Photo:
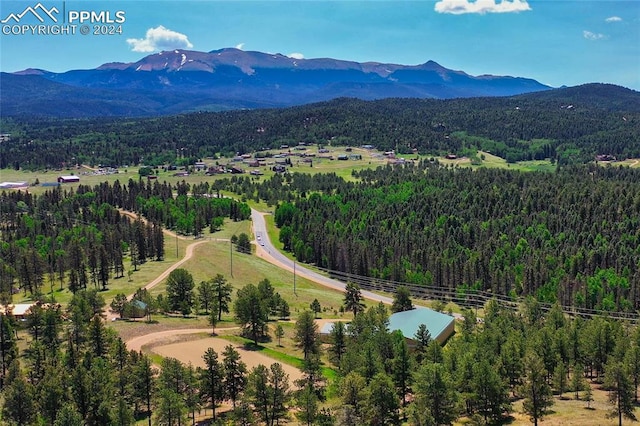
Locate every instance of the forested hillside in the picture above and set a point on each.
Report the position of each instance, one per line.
(566, 125)
(570, 236)
(79, 239)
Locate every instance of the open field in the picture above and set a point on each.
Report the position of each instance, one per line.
(629, 162)
(89, 177)
(215, 257)
(344, 168)
(491, 161)
(570, 412)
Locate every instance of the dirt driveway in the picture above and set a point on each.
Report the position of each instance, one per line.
(191, 351)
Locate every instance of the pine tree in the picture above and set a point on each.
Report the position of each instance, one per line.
(279, 392)
(144, 383)
(279, 333)
(50, 393)
(338, 342)
(68, 416)
(402, 364)
(353, 299)
(307, 403)
(621, 394)
(170, 407)
(122, 413)
(104, 267)
(490, 392)
(560, 378)
(251, 311)
(306, 335)
(191, 393)
(98, 336)
(8, 347)
(632, 361)
(19, 398)
(315, 307)
(212, 318)
(211, 379)
(259, 393)
(52, 328)
(588, 395)
(222, 293)
(436, 399)
(235, 374)
(119, 304)
(206, 294)
(578, 382)
(310, 390)
(352, 390)
(402, 300)
(381, 402)
(536, 391)
(180, 290)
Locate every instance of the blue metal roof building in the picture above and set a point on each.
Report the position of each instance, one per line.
(440, 326)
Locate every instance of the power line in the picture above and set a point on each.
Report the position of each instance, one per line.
(466, 297)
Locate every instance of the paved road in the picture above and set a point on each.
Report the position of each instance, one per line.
(267, 251)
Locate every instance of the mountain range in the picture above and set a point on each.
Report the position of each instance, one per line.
(181, 81)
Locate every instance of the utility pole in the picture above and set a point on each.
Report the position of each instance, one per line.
(177, 255)
(294, 278)
(231, 256)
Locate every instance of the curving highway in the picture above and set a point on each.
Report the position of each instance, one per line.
(268, 252)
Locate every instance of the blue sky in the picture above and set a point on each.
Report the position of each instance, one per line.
(553, 41)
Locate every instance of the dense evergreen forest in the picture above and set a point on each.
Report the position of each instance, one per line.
(79, 372)
(570, 236)
(567, 125)
(80, 238)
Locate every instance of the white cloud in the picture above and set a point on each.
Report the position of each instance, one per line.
(296, 55)
(613, 19)
(459, 7)
(240, 46)
(593, 36)
(159, 38)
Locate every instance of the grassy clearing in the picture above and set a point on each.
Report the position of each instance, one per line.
(495, 162)
(568, 411)
(279, 354)
(271, 353)
(129, 329)
(146, 273)
(320, 165)
(629, 162)
(215, 257)
(175, 249)
(344, 168)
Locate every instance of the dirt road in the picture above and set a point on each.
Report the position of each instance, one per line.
(188, 255)
(163, 343)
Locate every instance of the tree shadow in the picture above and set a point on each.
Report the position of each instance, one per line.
(251, 346)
